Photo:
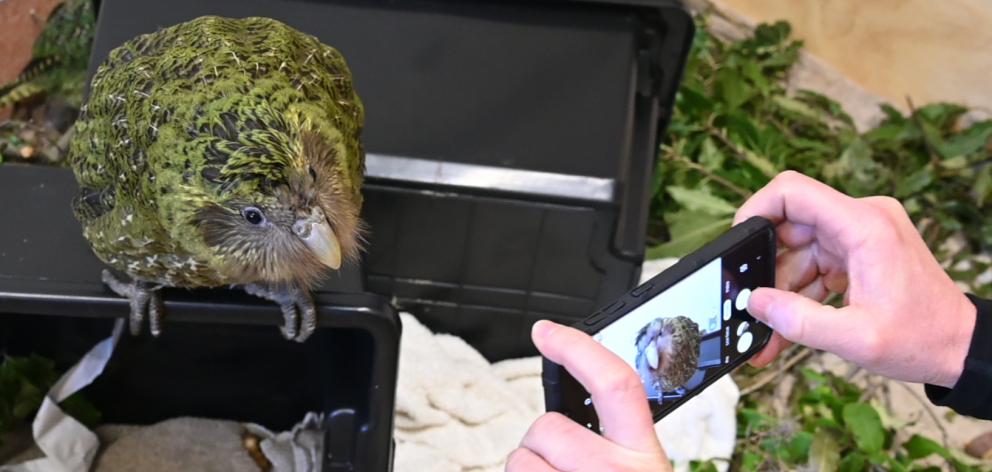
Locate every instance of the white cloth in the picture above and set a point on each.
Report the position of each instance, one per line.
(297, 450)
(67, 444)
(457, 412)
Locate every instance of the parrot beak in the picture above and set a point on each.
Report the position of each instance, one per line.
(651, 353)
(320, 238)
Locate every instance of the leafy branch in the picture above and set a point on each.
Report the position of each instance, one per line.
(734, 127)
(24, 382)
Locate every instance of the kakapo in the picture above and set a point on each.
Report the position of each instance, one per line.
(668, 352)
(221, 152)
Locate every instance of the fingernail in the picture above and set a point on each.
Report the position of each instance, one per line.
(759, 303)
(542, 328)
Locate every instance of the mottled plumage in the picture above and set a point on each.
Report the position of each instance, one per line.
(668, 352)
(209, 150)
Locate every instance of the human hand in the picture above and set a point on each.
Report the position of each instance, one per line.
(554, 442)
(903, 316)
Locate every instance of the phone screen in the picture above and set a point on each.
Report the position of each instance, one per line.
(682, 338)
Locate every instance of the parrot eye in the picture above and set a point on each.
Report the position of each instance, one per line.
(313, 174)
(253, 215)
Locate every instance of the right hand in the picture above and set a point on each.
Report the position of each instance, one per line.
(903, 316)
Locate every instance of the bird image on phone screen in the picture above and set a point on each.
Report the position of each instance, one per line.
(667, 354)
(683, 328)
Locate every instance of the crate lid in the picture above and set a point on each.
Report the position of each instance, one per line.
(535, 86)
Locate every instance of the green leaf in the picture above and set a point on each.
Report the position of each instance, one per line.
(690, 230)
(740, 129)
(82, 410)
(796, 449)
(915, 182)
(855, 172)
(853, 462)
(701, 201)
(955, 163)
(752, 420)
(702, 466)
(972, 140)
(824, 452)
(761, 163)
(892, 135)
(864, 423)
(710, 155)
(731, 88)
(694, 102)
(983, 187)
(941, 115)
(799, 109)
(752, 71)
(27, 401)
(770, 35)
(813, 377)
(933, 139)
(892, 114)
(826, 105)
(751, 461)
(23, 383)
(919, 447)
(816, 146)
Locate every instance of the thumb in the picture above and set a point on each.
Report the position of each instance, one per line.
(806, 321)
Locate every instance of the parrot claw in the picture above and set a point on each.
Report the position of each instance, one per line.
(298, 310)
(144, 298)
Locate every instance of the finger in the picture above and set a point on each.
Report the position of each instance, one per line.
(616, 390)
(794, 197)
(795, 234)
(560, 442)
(775, 346)
(795, 268)
(805, 321)
(835, 281)
(815, 290)
(525, 460)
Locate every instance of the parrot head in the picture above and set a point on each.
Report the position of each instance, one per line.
(283, 212)
(668, 352)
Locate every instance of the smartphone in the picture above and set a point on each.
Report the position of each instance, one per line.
(684, 328)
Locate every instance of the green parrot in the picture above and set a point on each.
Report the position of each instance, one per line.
(668, 352)
(221, 152)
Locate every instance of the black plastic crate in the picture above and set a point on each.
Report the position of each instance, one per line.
(511, 144)
(220, 355)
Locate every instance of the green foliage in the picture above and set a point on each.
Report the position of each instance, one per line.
(830, 427)
(865, 426)
(60, 56)
(735, 127)
(702, 466)
(24, 381)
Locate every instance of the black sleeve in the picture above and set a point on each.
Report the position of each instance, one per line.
(972, 395)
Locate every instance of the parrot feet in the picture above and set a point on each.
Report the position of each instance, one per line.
(298, 310)
(145, 299)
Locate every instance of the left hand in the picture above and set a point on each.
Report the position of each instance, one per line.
(556, 443)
